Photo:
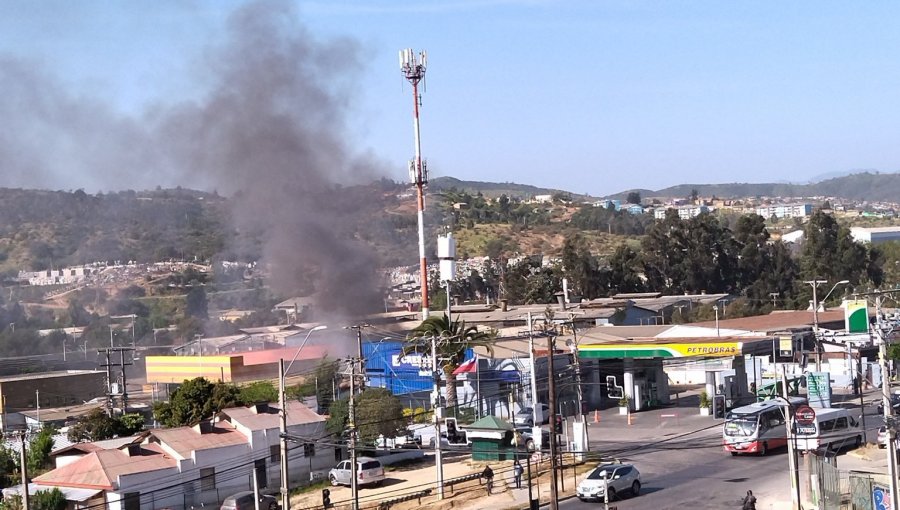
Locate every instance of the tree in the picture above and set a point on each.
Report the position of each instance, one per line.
(9, 467)
(97, 426)
(94, 426)
(623, 271)
(378, 412)
(195, 400)
(633, 197)
(47, 499)
(454, 339)
(197, 305)
(39, 449)
(580, 268)
(259, 391)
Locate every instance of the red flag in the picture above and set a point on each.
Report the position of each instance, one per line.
(466, 368)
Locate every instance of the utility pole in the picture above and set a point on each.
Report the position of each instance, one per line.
(889, 420)
(351, 427)
(551, 383)
(576, 359)
(282, 426)
(413, 68)
(535, 407)
(37, 405)
(437, 412)
(359, 351)
(815, 285)
(791, 444)
(23, 462)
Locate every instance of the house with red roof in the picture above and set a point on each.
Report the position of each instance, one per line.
(183, 467)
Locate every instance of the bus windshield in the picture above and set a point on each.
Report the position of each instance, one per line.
(740, 426)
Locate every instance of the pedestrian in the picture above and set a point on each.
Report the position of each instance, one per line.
(488, 475)
(749, 501)
(517, 474)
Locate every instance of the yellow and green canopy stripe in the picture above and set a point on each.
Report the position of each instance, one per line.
(637, 350)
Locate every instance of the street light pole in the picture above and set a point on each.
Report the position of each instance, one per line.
(815, 284)
(282, 423)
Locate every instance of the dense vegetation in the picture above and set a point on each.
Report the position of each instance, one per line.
(701, 254)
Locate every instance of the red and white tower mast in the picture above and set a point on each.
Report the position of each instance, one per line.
(413, 68)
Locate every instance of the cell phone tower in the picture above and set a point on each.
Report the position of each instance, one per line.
(413, 68)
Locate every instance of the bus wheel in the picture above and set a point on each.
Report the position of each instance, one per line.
(764, 450)
(858, 441)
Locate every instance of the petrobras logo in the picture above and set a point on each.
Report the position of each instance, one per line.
(721, 350)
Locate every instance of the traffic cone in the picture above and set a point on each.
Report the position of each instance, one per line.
(596, 416)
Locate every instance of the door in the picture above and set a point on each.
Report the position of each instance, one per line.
(343, 473)
(261, 476)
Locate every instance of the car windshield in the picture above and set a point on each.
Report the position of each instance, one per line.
(370, 465)
(740, 426)
(525, 410)
(599, 473)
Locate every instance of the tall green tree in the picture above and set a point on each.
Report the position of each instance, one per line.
(663, 252)
(195, 400)
(623, 271)
(378, 412)
(453, 339)
(581, 269)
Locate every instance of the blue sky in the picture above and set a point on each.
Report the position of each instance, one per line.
(588, 96)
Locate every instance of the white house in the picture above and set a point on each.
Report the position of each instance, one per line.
(183, 467)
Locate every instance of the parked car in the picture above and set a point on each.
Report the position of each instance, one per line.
(895, 404)
(619, 478)
(525, 416)
(244, 501)
(369, 471)
(525, 437)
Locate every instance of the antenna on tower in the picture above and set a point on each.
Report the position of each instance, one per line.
(413, 65)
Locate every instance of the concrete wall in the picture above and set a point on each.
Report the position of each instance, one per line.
(56, 390)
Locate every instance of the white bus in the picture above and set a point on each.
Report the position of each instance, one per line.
(756, 428)
(834, 428)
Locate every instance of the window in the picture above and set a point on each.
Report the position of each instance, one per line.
(623, 471)
(207, 479)
(275, 453)
(841, 423)
(826, 426)
(132, 501)
(372, 464)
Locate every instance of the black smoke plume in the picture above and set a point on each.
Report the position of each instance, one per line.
(269, 132)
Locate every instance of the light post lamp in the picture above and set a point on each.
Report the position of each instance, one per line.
(285, 497)
(815, 284)
(716, 308)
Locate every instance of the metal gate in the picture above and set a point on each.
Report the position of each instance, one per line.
(825, 484)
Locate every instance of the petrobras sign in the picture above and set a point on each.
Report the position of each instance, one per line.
(412, 362)
(856, 316)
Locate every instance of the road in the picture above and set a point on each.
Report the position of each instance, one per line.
(696, 473)
(684, 466)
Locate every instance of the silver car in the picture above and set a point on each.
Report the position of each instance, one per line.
(619, 478)
(525, 416)
(244, 501)
(369, 471)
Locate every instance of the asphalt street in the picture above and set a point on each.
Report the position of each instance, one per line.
(683, 465)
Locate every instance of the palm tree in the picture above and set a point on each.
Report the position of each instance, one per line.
(453, 339)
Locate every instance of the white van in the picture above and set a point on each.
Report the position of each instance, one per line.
(834, 428)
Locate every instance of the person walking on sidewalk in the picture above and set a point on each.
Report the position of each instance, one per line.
(488, 475)
(749, 502)
(517, 474)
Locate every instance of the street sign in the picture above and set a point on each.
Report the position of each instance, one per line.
(805, 415)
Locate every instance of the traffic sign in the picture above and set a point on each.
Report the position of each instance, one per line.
(805, 415)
